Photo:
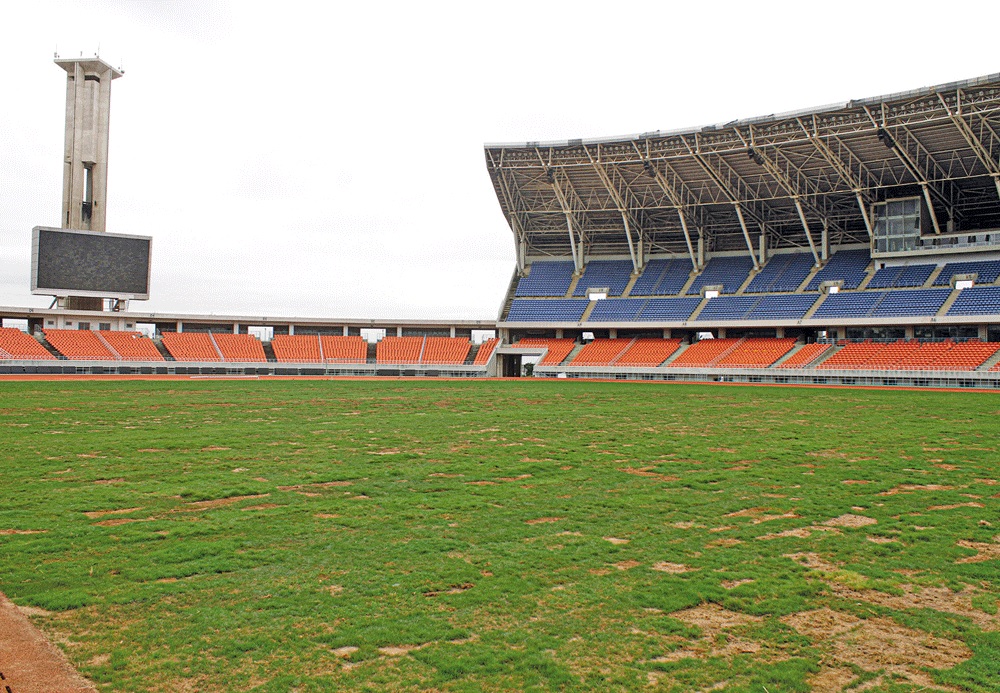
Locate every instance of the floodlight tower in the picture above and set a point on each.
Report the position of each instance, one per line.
(85, 162)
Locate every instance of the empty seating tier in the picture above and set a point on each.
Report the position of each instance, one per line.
(668, 309)
(79, 345)
(131, 346)
(191, 346)
(617, 310)
(299, 348)
(486, 350)
(728, 307)
(648, 352)
(784, 272)
(987, 271)
(612, 275)
(547, 310)
(398, 350)
(849, 266)
(729, 272)
(546, 279)
(901, 276)
(559, 349)
(756, 353)
(913, 355)
(239, 348)
(804, 356)
(600, 352)
(978, 300)
(662, 278)
(446, 350)
(704, 353)
(344, 348)
(15, 344)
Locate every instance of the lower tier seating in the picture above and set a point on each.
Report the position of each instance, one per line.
(344, 348)
(600, 352)
(15, 344)
(131, 346)
(486, 350)
(398, 350)
(191, 346)
(912, 355)
(648, 353)
(446, 350)
(79, 345)
(240, 348)
(558, 349)
(804, 356)
(298, 348)
(756, 353)
(704, 353)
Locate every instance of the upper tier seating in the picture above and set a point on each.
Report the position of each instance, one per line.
(546, 278)
(781, 307)
(190, 346)
(668, 309)
(79, 345)
(600, 352)
(727, 307)
(298, 348)
(613, 275)
(702, 354)
(550, 310)
(662, 278)
(849, 304)
(486, 350)
(911, 302)
(756, 353)
(559, 349)
(648, 352)
(450, 350)
(784, 272)
(988, 271)
(804, 356)
(617, 309)
(132, 346)
(978, 300)
(344, 348)
(901, 276)
(397, 350)
(15, 344)
(239, 348)
(730, 272)
(847, 265)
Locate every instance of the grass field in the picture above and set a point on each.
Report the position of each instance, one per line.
(460, 536)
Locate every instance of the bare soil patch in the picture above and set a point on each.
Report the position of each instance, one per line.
(543, 520)
(851, 520)
(987, 551)
(733, 584)
(970, 504)
(906, 488)
(667, 567)
(9, 532)
(262, 506)
(31, 663)
(616, 540)
(94, 514)
(644, 471)
(219, 502)
(627, 565)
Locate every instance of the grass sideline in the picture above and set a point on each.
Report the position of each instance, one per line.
(359, 535)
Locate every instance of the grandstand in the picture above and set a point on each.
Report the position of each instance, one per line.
(861, 237)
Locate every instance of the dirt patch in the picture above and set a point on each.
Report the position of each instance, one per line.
(851, 520)
(117, 480)
(627, 565)
(821, 623)
(667, 567)
(121, 521)
(722, 543)
(713, 619)
(747, 512)
(94, 514)
(345, 651)
(616, 540)
(9, 532)
(987, 551)
(855, 481)
(262, 506)
(644, 471)
(454, 589)
(906, 488)
(831, 679)
(398, 650)
(220, 502)
(30, 661)
(970, 504)
(326, 516)
(733, 584)
(875, 539)
(482, 483)
(442, 475)
(215, 448)
(685, 525)
(543, 520)
(321, 484)
(799, 532)
(813, 561)
(768, 518)
(514, 478)
(936, 598)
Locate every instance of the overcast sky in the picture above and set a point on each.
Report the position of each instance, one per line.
(326, 159)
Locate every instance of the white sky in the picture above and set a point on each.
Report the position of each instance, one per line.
(326, 159)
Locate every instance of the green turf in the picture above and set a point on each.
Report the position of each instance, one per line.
(470, 520)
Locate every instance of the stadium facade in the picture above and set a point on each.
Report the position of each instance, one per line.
(856, 243)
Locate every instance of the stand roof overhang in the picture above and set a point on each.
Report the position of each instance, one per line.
(776, 175)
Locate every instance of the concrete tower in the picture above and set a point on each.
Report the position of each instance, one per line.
(85, 164)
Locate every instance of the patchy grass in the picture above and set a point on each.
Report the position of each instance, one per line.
(391, 535)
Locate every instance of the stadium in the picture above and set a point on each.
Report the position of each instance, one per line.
(291, 503)
(851, 244)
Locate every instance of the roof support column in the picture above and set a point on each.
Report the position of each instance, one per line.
(805, 227)
(864, 214)
(824, 242)
(687, 239)
(636, 264)
(996, 179)
(930, 207)
(577, 261)
(746, 236)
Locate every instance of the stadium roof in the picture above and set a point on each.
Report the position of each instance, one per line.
(786, 176)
